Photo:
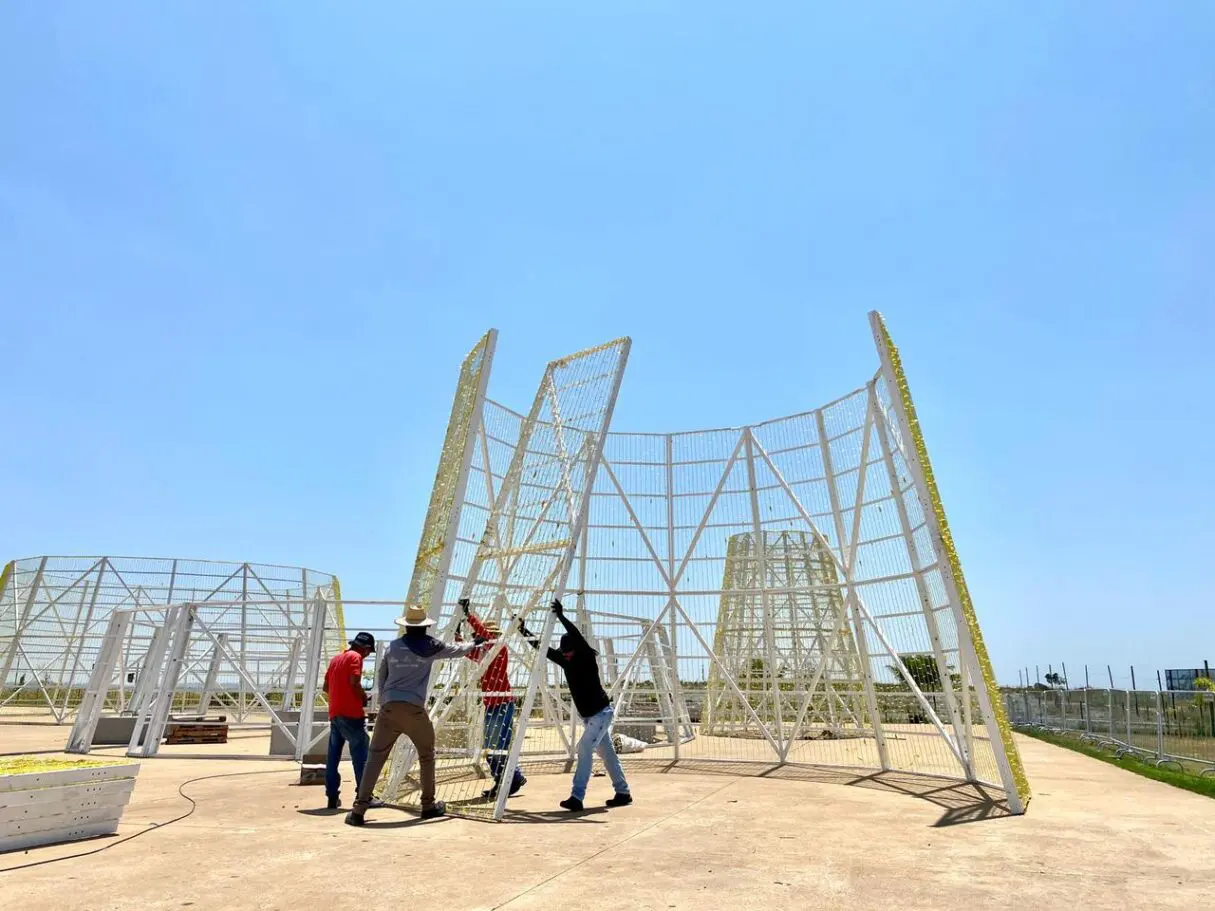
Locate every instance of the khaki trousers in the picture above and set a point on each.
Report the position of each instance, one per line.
(395, 719)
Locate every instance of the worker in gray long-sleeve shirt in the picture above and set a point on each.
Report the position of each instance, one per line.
(403, 678)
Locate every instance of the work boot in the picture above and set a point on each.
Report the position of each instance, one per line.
(573, 804)
(435, 811)
(354, 819)
(620, 800)
(515, 785)
(334, 802)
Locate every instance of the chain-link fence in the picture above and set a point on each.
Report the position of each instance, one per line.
(1174, 727)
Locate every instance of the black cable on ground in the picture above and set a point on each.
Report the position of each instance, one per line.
(154, 827)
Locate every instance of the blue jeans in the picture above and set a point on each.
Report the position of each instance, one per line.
(499, 728)
(344, 731)
(597, 738)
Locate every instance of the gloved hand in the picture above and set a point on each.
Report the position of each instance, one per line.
(524, 631)
(463, 602)
(479, 641)
(556, 608)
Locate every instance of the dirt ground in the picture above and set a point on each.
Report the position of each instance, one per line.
(1095, 837)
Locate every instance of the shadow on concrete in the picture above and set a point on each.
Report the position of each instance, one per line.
(324, 811)
(962, 802)
(376, 824)
(556, 816)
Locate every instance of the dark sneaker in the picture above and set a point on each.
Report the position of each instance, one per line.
(354, 819)
(334, 803)
(573, 804)
(620, 800)
(436, 811)
(515, 785)
(489, 793)
(375, 802)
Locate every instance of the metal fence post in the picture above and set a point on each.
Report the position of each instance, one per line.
(1109, 701)
(1159, 726)
(1129, 742)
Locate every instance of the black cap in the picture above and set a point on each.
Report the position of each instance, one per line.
(363, 640)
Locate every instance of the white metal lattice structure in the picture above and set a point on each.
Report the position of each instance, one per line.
(775, 648)
(897, 677)
(199, 660)
(54, 612)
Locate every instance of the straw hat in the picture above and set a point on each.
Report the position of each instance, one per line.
(414, 616)
(492, 626)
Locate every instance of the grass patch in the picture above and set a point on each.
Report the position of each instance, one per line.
(1184, 780)
(23, 765)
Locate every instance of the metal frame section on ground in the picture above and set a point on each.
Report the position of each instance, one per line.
(54, 612)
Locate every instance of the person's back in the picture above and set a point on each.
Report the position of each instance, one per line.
(581, 668)
(403, 678)
(408, 661)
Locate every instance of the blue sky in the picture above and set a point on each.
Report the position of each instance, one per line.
(243, 247)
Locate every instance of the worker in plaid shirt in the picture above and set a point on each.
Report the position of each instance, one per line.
(498, 699)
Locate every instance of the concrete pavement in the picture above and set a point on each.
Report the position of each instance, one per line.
(1095, 837)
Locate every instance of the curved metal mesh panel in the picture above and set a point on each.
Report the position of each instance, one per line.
(775, 593)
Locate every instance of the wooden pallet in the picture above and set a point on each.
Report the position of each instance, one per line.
(197, 732)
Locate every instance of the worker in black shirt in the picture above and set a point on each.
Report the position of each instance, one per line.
(577, 659)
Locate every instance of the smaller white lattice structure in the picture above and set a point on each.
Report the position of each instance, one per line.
(204, 661)
(786, 642)
(54, 612)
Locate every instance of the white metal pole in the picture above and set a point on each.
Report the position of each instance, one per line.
(289, 673)
(22, 621)
(765, 611)
(669, 456)
(312, 672)
(204, 702)
(149, 671)
(81, 738)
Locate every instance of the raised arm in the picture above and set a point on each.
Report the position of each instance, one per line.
(574, 632)
(534, 641)
(458, 649)
(474, 621)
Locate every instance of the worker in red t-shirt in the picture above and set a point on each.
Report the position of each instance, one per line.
(499, 702)
(347, 718)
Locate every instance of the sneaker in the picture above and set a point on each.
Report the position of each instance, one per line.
(515, 785)
(489, 793)
(573, 804)
(334, 803)
(435, 811)
(375, 802)
(620, 800)
(354, 819)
